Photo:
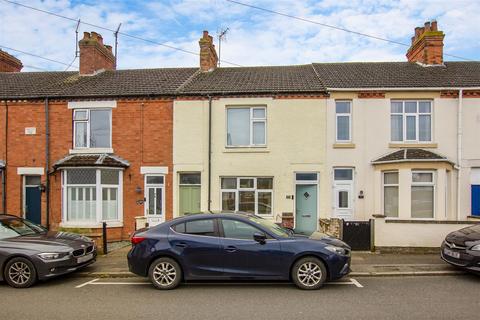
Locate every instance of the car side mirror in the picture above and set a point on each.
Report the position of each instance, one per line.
(260, 237)
(290, 231)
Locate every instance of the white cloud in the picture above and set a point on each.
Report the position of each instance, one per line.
(255, 37)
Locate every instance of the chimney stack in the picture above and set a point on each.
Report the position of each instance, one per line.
(9, 63)
(208, 55)
(427, 45)
(94, 55)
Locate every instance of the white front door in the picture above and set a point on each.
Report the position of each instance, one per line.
(343, 193)
(154, 199)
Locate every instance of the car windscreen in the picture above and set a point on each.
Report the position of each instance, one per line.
(14, 227)
(271, 226)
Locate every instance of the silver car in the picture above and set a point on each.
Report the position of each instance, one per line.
(28, 252)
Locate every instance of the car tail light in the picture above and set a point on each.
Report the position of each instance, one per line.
(137, 239)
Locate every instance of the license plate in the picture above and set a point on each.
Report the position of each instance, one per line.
(451, 253)
(86, 258)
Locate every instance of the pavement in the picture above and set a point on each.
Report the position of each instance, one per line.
(69, 297)
(364, 264)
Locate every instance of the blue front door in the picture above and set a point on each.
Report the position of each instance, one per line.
(33, 208)
(306, 209)
(475, 200)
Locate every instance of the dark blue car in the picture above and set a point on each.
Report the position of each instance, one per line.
(232, 246)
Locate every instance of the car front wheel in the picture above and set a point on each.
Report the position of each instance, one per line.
(165, 273)
(20, 273)
(309, 273)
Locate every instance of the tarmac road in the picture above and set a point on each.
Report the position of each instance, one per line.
(429, 297)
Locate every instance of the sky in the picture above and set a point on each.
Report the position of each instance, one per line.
(254, 37)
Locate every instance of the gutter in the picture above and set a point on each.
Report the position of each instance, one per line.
(47, 162)
(459, 146)
(404, 89)
(209, 152)
(4, 173)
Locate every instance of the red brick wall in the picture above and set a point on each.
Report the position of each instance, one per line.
(141, 134)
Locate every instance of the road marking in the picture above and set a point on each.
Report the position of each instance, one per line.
(96, 282)
(351, 282)
(356, 283)
(87, 283)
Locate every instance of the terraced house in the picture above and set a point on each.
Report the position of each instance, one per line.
(391, 143)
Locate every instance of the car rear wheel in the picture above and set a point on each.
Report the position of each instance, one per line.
(165, 274)
(309, 273)
(20, 273)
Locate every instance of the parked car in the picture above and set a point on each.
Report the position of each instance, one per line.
(28, 252)
(462, 248)
(233, 246)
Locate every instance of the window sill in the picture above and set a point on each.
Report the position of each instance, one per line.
(91, 150)
(413, 145)
(92, 225)
(246, 150)
(342, 145)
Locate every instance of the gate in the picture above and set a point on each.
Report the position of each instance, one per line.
(357, 234)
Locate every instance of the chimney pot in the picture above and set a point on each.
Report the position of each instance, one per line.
(427, 45)
(94, 55)
(208, 55)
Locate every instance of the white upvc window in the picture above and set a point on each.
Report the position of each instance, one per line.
(390, 194)
(246, 126)
(411, 120)
(92, 128)
(343, 121)
(423, 194)
(247, 194)
(92, 195)
(155, 196)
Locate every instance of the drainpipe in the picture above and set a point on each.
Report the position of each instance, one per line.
(209, 151)
(47, 161)
(4, 173)
(459, 147)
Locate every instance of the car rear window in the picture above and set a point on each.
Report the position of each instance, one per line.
(205, 227)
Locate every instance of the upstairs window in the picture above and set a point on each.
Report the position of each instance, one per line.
(246, 127)
(411, 121)
(343, 121)
(92, 128)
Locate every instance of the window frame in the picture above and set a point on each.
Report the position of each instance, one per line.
(432, 184)
(222, 230)
(88, 121)
(390, 185)
(216, 228)
(404, 114)
(251, 123)
(98, 198)
(349, 115)
(254, 188)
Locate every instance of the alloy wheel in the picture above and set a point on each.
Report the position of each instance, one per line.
(309, 274)
(164, 273)
(19, 273)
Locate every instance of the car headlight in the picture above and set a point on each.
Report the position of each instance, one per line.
(336, 250)
(476, 247)
(52, 255)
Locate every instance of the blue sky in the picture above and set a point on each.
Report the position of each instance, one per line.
(255, 37)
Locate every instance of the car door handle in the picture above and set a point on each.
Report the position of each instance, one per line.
(231, 249)
(181, 245)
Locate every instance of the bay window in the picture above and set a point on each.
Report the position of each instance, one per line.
(411, 121)
(246, 126)
(252, 195)
(92, 128)
(423, 194)
(92, 195)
